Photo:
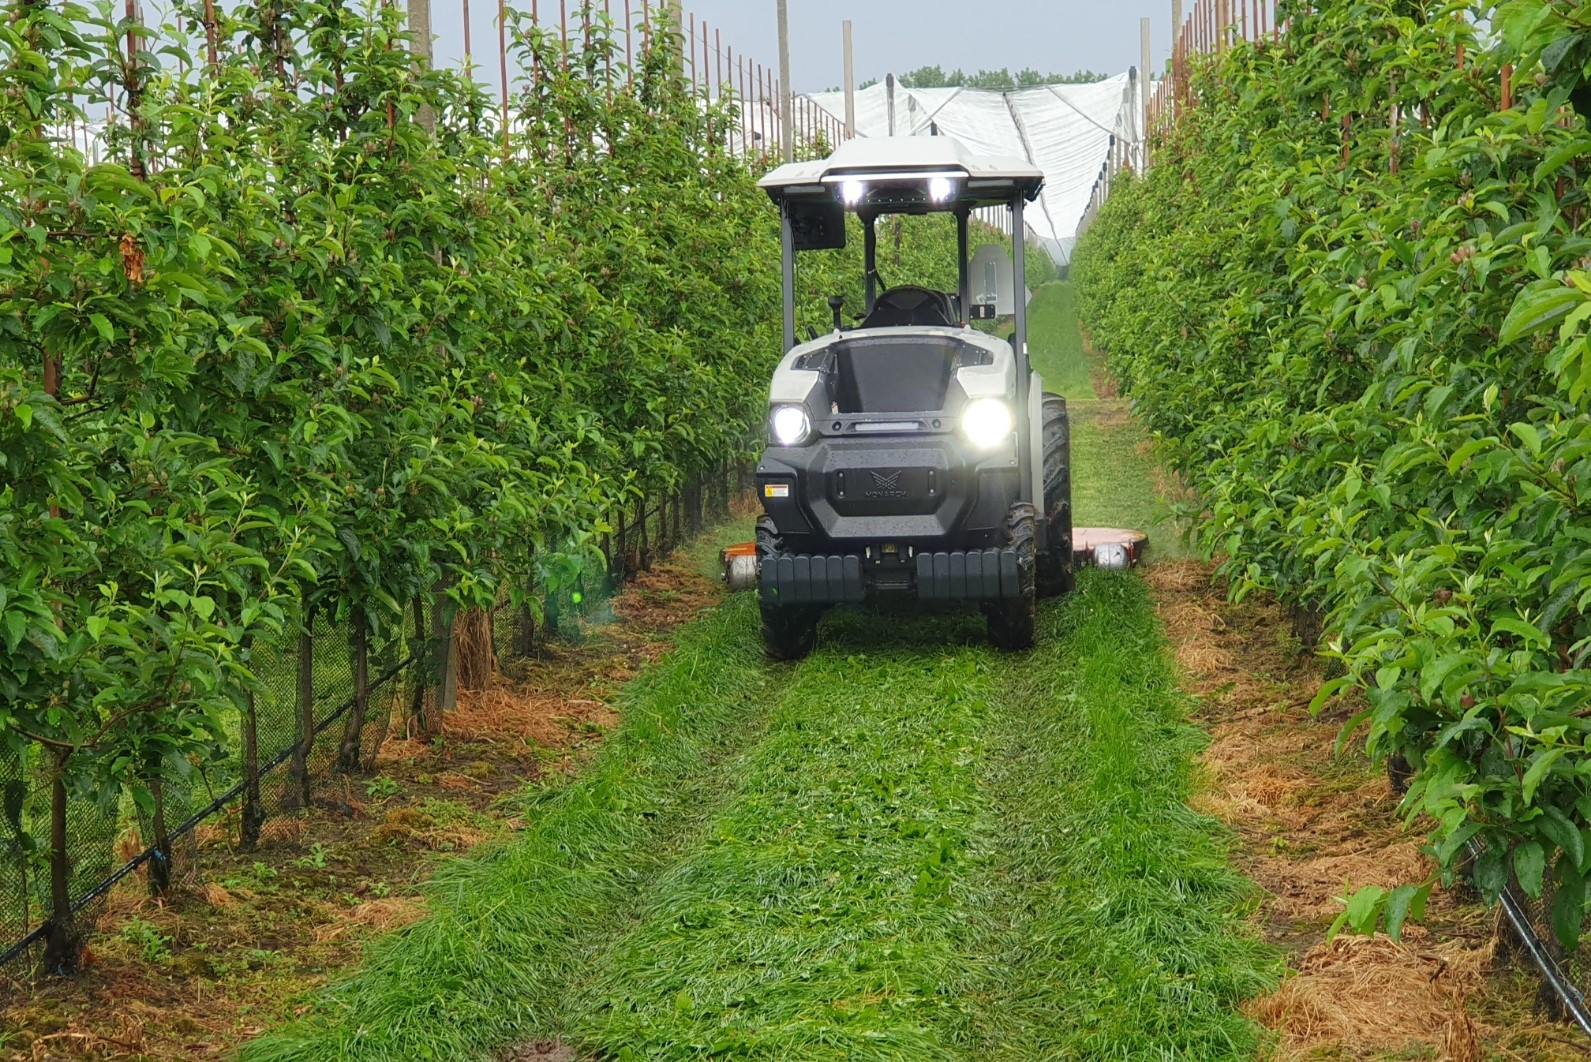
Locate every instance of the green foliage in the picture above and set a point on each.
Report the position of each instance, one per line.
(1374, 372)
(153, 945)
(314, 356)
(1002, 80)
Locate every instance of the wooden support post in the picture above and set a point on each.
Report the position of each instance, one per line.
(1147, 87)
(502, 66)
(786, 100)
(420, 48)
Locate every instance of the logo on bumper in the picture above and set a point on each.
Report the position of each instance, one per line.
(886, 486)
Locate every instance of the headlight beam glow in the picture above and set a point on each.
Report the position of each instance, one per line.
(987, 423)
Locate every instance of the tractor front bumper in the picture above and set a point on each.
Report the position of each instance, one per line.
(959, 575)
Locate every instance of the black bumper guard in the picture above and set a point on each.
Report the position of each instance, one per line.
(973, 575)
(976, 575)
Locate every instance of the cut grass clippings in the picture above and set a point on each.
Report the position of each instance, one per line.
(820, 920)
(1109, 924)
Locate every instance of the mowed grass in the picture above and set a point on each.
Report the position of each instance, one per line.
(1116, 481)
(821, 919)
(1055, 345)
(1108, 923)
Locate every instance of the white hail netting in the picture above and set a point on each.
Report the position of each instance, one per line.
(1065, 130)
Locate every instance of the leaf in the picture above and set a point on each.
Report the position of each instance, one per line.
(102, 325)
(1527, 632)
(1538, 306)
(1568, 907)
(1527, 434)
(1530, 867)
(1405, 902)
(1556, 827)
(16, 625)
(1360, 911)
(1491, 872)
(1538, 770)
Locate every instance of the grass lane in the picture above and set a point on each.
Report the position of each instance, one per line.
(1116, 481)
(820, 920)
(1107, 922)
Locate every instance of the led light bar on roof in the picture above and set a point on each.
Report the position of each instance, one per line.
(880, 176)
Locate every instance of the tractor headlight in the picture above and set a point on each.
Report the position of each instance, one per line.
(987, 423)
(941, 189)
(790, 425)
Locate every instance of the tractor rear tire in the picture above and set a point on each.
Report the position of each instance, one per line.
(789, 632)
(1055, 575)
(1013, 622)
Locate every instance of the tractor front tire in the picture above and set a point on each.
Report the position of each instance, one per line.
(789, 632)
(1013, 621)
(1055, 563)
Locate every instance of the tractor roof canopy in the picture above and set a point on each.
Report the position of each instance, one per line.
(905, 175)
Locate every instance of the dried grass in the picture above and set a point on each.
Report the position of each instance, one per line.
(1372, 993)
(524, 713)
(391, 912)
(215, 895)
(1307, 840)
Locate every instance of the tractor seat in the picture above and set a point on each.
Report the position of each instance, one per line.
(907, 306)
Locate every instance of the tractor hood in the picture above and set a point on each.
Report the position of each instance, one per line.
(882, 371)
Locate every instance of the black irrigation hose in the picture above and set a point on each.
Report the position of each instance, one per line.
(193, 820)
(1572, 1001)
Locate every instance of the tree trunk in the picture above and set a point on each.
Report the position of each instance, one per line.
(441, 670)
(640, 520)
(417, 701)
(253, 813)
(160, 861)
(298, 795)
(475, 644)
(348, 752)
(63, 947)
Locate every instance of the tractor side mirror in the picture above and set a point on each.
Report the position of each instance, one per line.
(983, 311)
(836, 304)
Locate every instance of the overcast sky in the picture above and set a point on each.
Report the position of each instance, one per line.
(892, 36)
